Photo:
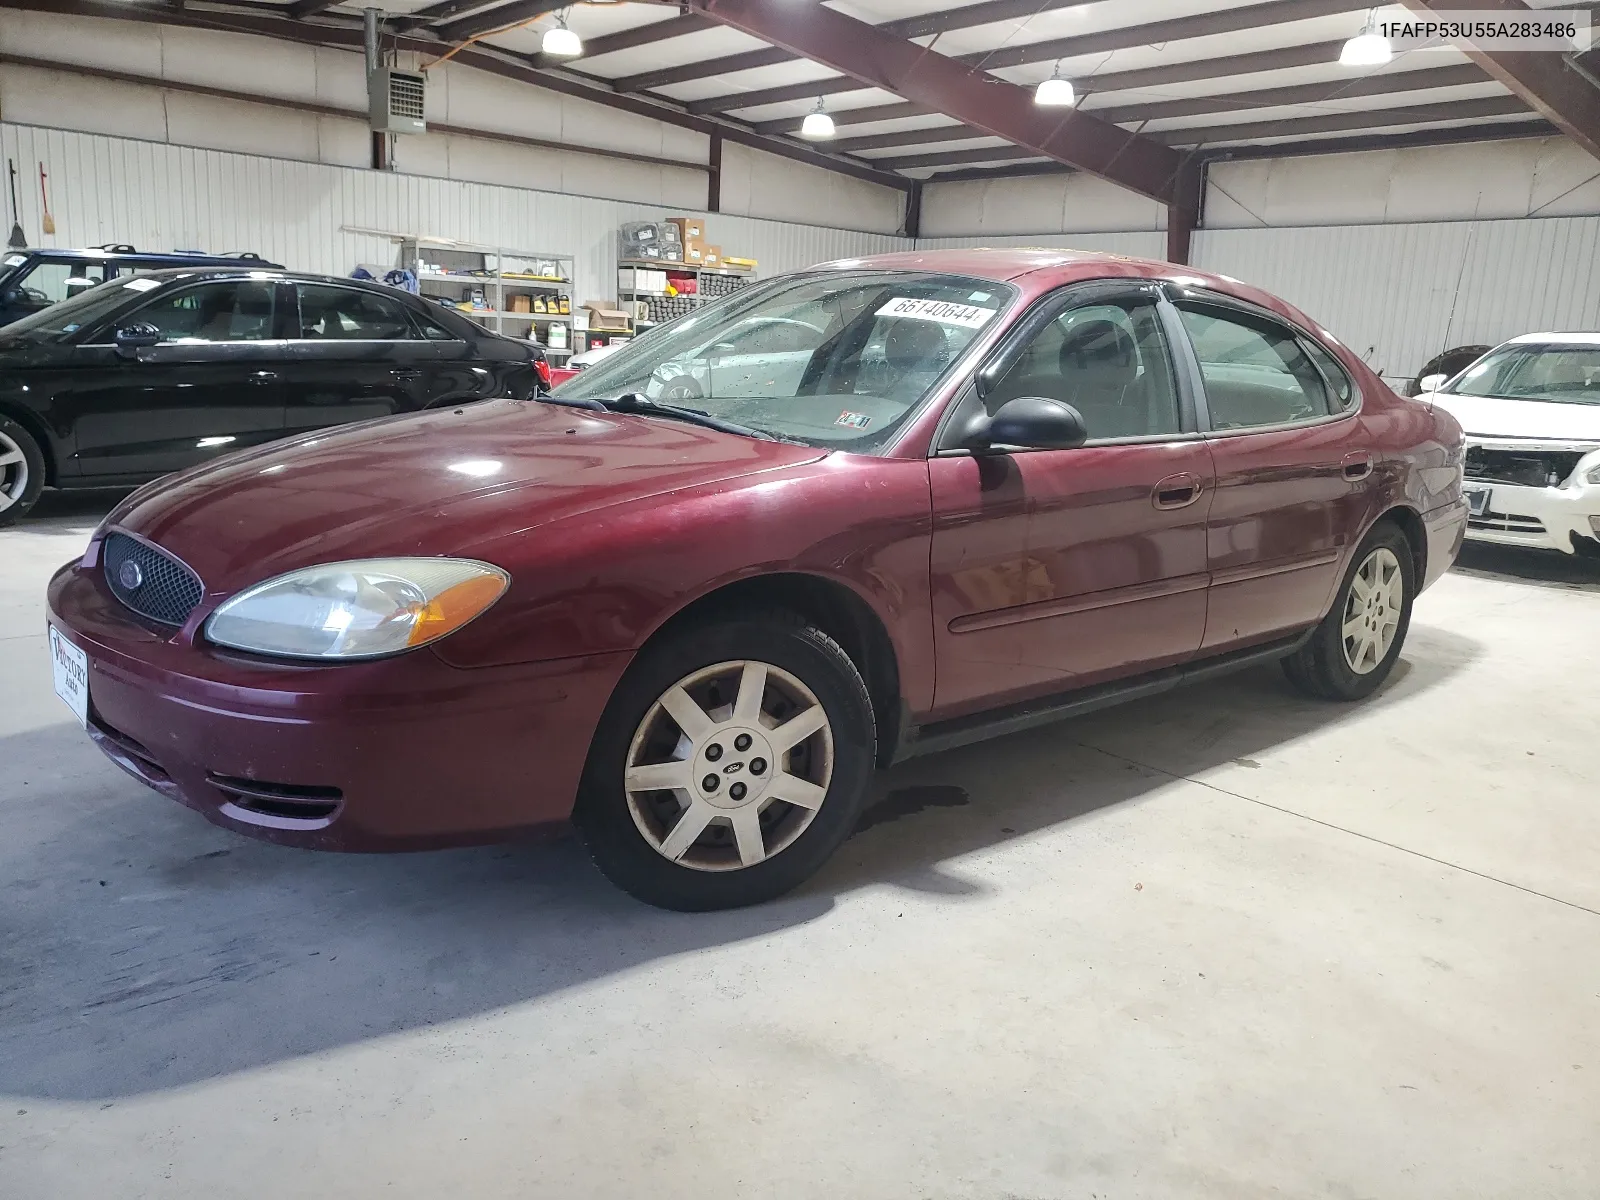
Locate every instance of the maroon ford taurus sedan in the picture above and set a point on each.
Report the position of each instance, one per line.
(866, 511)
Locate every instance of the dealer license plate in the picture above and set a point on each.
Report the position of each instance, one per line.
(71, 667)
(1477, 499)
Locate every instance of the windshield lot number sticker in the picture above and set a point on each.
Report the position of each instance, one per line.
(853, 420)
(969, 316)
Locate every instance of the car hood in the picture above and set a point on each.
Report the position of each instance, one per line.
(434, 483)
(1546, 420)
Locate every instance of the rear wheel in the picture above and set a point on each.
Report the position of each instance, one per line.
(1352, 652)
(21, 471)
(732, 761)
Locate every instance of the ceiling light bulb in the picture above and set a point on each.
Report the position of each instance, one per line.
(1055, 92)
(1369, 48)
(561, 42)
(817, 124)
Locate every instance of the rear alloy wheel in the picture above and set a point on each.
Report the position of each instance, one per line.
(732, 761)
(21, 471)
(1352, 652)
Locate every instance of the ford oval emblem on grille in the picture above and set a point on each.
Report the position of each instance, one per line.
(130, 576)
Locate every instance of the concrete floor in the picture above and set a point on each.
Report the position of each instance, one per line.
(1227, 943)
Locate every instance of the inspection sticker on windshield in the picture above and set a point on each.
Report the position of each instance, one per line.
(853, 420)
(968, 315)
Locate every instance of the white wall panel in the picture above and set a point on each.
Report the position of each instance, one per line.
(1033, 205)
(1148, 244)
(1399, 294)
(160, 196)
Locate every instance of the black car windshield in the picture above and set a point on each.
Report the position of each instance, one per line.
(1568, 374)
(836, 360)
(85, 309)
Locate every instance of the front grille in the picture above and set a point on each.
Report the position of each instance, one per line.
(150, 581)
(1527, 468)
(1506, 523)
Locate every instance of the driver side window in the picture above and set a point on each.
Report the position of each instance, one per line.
(1109, 361)
(1256, 372)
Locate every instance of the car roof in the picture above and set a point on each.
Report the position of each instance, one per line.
(176, 257)
(1564, 339)
(250, 270)
(1038, 269)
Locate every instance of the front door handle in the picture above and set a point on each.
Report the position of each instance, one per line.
(1177, 491)
(399, 373)
(261, 378)
(1357, 465)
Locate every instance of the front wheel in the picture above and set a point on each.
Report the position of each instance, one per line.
(733, 759)
(1352, 652)
(21, 471)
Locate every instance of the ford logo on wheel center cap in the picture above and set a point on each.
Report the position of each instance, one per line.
(130, 576)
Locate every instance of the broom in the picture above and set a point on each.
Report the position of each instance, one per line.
(18, 238)
(49, 221)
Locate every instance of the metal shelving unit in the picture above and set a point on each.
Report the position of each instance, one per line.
(629, 295)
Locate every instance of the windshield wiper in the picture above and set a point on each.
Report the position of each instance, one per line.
(633, 402)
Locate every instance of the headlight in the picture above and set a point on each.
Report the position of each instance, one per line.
(1593, 473)
(362, 609)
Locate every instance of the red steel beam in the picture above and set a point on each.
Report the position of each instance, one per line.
(1542, 78)
(922, 76)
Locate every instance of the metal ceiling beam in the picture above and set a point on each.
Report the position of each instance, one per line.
(347, 36)
(1455, 75)
(923, 76)
(1551, 86)
(776, 95)
(848, 116)
(645, 35)
(928, 25)
(516, 13)
(307, 8)
(1419, 114)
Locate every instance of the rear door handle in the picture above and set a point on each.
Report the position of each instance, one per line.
(400, 373)
(262, 378)
(1357, 465)
(1176, 491)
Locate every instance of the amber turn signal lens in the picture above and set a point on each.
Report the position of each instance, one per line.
(454, 607)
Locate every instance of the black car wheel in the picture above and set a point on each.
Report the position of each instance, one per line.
(21, 471)
(1352, 652)
(732, 760)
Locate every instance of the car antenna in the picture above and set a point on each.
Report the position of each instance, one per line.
(19, 240)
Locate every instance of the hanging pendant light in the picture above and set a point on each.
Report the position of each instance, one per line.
(1369, 48)
(1055, 92)
(559, 41)
(818, 124)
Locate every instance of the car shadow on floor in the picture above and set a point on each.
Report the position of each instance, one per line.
(143, 949)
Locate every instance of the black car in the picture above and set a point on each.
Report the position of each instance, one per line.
(157, 372)
(31, 279)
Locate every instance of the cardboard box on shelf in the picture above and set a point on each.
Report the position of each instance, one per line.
(694, 253)
(521, 304)
(711, 256)
(604, 314)
(737, 263)
(690, 229)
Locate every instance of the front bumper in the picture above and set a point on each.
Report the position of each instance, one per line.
(399, 753)
(1561, 518)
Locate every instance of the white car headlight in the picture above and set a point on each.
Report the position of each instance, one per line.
(363, 609)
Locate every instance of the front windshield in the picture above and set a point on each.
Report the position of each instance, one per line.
(836, 360)
(85, 309)
(1566, 374)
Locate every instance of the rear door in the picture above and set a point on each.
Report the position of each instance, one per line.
(1058, 569)
(1293, 471)
(210, 386)
(354, 354)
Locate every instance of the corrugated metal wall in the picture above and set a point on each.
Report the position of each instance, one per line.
(157, 196)
(1144, 244)
(1400, 294)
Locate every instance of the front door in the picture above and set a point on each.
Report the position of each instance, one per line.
(355, 355)
(1058, 569)
(212, 385)
(1294, 474)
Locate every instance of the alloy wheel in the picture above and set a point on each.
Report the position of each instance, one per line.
(729, 766)
(1372, 611)
(13, 472)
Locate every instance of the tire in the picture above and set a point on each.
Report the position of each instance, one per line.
(744, 842)
(1334, 666)
(681, 388)
(21, 471)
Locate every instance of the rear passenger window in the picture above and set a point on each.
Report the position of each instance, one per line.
(1109, 361)
(348, 314)
(1344, 392)
(1256, 372)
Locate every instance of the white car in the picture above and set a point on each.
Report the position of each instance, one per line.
(1531, 412)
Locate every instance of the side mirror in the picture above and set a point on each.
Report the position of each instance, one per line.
(1029, 421)
(132, 338)
(1432, 383)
